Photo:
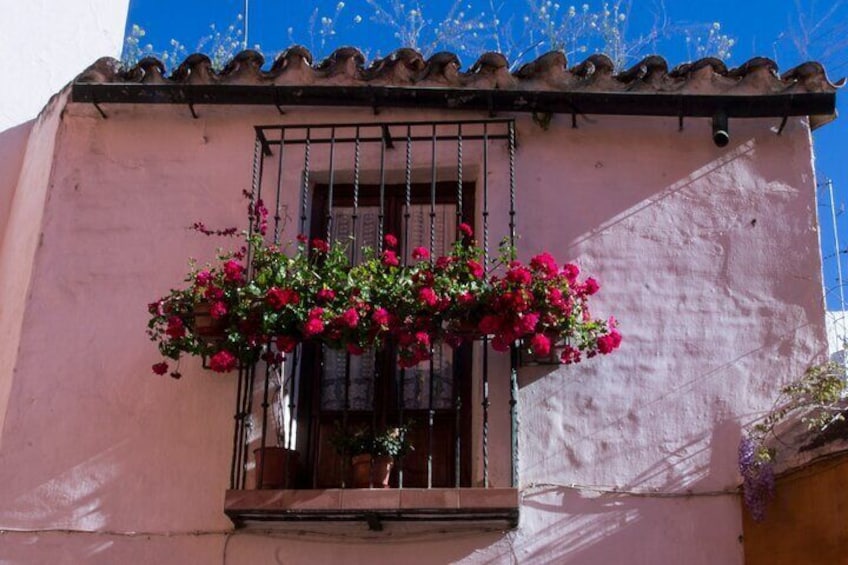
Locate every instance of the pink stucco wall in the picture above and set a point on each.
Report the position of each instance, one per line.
(708, 256)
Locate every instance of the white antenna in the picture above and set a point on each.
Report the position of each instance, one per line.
(246, 10)
(839, 324)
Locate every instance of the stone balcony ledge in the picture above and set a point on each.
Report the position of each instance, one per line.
(263, 508)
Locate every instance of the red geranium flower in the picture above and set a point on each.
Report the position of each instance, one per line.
(591, 286)
(222, 361)
(203, 278)
(213, 293)
(527, 322)
(278, 298)
(466, 229)
(350, 318)
(380, 317)
(420, 254)
(176, 328)
(545, 263)
(233, 271)
(570, 271)
(428, 296)
(390, 258)
(391, 241)
(218, 310)
(608, 343)
(160, 368)
(541, 345)
(326, 295)
(490, 324)
(313, 326)
(320, 245)
(475, 268)
(286, 343)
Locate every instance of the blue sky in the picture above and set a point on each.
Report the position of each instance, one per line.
(759, 27)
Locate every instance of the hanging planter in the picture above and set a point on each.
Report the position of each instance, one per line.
(312, 292)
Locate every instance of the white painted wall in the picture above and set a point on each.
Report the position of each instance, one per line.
(45, 44)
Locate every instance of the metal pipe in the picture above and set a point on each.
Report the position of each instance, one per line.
(721, 137)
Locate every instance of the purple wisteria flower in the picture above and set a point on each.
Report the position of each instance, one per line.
(757, 478)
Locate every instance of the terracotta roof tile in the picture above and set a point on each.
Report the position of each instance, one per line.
(406, 67)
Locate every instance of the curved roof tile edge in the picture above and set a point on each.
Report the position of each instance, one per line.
(408, 67)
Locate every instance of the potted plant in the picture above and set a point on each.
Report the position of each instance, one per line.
(264, 300)
(372, 453)
(277, 466)
(545, 307)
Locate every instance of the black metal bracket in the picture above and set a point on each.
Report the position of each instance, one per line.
(191, 109)
(490, 102)
(387, 137)
(277, 103)
(374, 523)
(782, 125)
(99, 109)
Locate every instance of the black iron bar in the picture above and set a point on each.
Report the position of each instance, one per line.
(247, 409)
(255, 188)
(513, 374)
(383, 125)
(431, 413)
(260, 133)
(375, 139)
(457, 374)
(292, 393)
(305, 191)
(330, 186)
(234, 475)
(382, 214)
(260, 469)
(433, 195)
(280, 161)
(355, 216)
(459, 217)
(345, 410)
(485, 338)
(405, 252)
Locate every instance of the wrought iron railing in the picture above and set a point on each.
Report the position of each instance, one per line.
(358, 170)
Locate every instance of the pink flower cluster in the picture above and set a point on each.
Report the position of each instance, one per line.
(546, 306)
(317, 295)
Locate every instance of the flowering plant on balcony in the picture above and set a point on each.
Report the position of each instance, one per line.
(545, 306)
(311, 291)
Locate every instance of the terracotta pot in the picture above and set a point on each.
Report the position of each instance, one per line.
(367, 471)
(204, 324)
(528, 357)
(272, 462)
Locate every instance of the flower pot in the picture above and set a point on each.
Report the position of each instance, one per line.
(204, 324)
(272, 462)
(528, 358)
(367, 471)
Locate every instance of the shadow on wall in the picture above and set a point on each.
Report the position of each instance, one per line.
(660, 524)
